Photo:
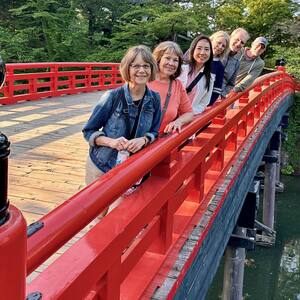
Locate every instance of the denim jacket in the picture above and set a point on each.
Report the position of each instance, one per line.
(104, 121)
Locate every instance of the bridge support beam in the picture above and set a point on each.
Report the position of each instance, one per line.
(279, 185)
(235, 253)
(281, 137)
(271, 177)
(276, 145)
(269, 191)
(234, 269)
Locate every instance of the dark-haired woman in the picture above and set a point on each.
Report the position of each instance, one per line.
(196, 75)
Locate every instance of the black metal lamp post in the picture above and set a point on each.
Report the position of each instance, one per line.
(4, 153)
(280, 62)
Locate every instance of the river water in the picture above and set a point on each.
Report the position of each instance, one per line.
(274, 273)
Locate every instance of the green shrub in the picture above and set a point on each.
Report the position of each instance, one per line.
(291, 146)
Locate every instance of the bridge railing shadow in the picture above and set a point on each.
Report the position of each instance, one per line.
(141, 237)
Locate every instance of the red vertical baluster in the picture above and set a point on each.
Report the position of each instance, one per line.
(244, 97)
(54, 80)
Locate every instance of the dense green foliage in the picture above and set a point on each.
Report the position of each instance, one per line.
(101, 30)
(291, 145)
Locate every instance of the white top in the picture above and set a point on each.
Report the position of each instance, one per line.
(199, 96)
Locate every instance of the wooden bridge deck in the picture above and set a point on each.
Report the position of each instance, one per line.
(48, 152)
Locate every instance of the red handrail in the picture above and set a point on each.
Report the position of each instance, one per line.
(183, 177)
(33, 81)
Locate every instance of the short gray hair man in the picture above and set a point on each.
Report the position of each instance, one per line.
(238, 39)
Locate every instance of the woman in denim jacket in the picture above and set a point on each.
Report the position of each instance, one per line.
(126, 118)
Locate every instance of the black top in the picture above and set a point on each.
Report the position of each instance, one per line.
(139, 104)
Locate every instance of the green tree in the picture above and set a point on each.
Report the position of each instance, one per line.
(264, 17)
(150, 24)
(101, 15)
(101, 30)
(49, 30)
(229, 15)
(268, 18)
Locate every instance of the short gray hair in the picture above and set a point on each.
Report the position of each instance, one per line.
(240, 30)
(131, 55)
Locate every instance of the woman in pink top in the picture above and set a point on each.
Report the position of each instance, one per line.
(178, 110)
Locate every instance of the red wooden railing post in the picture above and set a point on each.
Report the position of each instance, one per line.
(218, 161)
(244, 97)
(32, 86)
(12, 237)
(199, 180)
(262, 103)
(220, 119)
(113, 282)
(72, 85)
(250, 117)
(10, 84)
(258, 88)
(88, 78)
(242, 128)
(166, 168)
(100, 77)
(257, 110)
(281, 69)
(267, 100)
(266, 83)
(53, 79)
(231, 140)
(166, 226)
(114, 75)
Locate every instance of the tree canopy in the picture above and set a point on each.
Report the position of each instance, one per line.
(102, 30)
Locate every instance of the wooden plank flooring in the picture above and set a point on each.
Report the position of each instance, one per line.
(48, 152)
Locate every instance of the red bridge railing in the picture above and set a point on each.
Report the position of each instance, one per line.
(128, 253)
(33, 81)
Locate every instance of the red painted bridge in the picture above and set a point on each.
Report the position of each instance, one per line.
(166, 239)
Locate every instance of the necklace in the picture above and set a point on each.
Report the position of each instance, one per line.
(137, 103)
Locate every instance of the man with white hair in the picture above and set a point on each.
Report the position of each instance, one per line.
(251, 64)
(238, 39)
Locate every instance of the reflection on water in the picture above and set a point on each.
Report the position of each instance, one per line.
(289, 274)
(274, 274)
(289, 262)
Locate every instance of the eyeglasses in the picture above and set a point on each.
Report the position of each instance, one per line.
(138, 67)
